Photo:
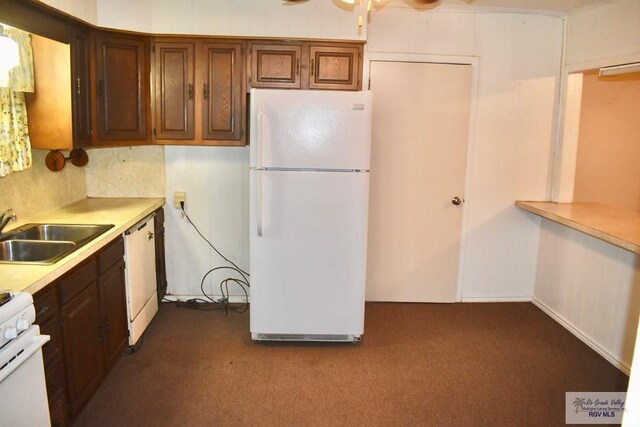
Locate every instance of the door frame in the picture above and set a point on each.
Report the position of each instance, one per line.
(473, 61)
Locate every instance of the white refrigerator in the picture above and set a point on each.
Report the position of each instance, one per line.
(309, 196)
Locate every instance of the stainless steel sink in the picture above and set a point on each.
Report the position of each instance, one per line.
(65, 232)
(34, 251)
(46, 243)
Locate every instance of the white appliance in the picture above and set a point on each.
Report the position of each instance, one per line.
(140, 267)
(309, 194)
(23, 393)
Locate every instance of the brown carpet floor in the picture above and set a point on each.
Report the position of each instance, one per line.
(418, 364)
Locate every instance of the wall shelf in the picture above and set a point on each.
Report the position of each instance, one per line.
(616, 226)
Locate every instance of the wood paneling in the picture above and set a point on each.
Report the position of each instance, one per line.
(592, 287)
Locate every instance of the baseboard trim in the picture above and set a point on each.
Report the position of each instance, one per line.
(234, 299)
(582, 336)
(496, 299)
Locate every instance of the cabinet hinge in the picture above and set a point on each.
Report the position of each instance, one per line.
(242, 50)
(249, 80)
(241, 134)
(154, 132)
(369, 87)
(153, 49)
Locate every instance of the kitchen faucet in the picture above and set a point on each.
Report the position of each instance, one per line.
(5, 217)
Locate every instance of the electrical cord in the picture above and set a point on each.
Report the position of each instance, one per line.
(199, 303)
(210, 244)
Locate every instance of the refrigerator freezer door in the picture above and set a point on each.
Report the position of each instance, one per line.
(308, 266)
(310, 129)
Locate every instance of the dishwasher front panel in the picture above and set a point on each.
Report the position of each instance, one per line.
(140, 255)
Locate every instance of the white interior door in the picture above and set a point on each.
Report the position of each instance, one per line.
(418, 162)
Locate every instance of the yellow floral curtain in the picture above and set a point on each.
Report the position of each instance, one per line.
(15, 147)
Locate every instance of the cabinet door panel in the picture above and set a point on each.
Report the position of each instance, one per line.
(122, 81)
(334, 67)
(114, 309)
(174, 90)
(276, 66)
(81, 44)
(221, 91)
(82, 349)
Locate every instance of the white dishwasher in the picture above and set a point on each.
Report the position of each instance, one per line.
(140, 268)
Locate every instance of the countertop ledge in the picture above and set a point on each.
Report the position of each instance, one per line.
(616, 226)
(122, 213)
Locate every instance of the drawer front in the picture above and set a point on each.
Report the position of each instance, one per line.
(46, 304)
(71, 284)
(111, 254)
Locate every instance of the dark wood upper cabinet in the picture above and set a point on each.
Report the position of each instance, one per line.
(122, 80)
(306, 65)
(174, 90)
(198, 92)
(276, 66)
(221, 91)
(334, 67)
(81, 58)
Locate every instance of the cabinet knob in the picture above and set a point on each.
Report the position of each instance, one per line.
(149, 235)
(457, 201)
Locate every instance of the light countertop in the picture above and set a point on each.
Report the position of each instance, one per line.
(122, 213)
(616, 226)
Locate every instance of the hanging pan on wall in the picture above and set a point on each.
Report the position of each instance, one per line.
(55, 160)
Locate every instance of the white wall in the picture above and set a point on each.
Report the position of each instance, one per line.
(83, 9)
(592, 287)
(260, 18)
(595, 290)
(512, 133)
(604, 35)
(216, 180)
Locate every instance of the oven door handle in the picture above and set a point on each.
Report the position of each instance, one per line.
(13, 348)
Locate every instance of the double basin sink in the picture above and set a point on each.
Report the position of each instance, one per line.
(46, 243)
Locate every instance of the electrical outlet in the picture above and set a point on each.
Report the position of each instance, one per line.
(179, 196)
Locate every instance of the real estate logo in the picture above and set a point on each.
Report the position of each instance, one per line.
(594, 407)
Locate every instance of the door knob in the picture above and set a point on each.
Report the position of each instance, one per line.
(457, 201)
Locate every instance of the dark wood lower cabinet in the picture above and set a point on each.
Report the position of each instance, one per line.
(84, 312)
(83, 356)
(114, 311)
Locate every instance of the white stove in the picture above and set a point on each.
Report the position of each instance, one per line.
(23, 393)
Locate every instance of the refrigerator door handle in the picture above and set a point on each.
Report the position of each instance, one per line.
(259, 203)
(260, 132)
